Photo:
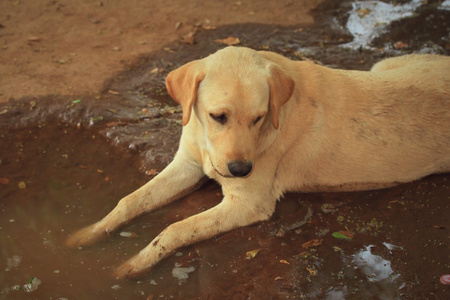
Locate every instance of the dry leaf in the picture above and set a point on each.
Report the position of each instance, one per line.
(347, 233)
(230, 41)
(279, 278)
(4, 181)
(401, 45)
(312, 271)
(167, 49)
(251, 254)
(302, 255)
(281, 232)
(188, 38)
(337, 249)
(363, 12)
(208, 27)
(114, 123)
(34, 39)
(312, 243)
(151, 172)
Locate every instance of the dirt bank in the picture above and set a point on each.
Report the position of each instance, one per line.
(67, 47)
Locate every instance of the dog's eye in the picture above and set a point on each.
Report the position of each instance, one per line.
(222, 118)
(257, 120)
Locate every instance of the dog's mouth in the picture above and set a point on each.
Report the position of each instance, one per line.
(217, 171)
(244, 175)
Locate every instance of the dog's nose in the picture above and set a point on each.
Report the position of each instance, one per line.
(240, 168)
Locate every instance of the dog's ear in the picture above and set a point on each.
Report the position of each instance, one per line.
(281, 89)
(182, 85)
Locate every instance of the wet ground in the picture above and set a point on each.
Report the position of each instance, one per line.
(65, 161)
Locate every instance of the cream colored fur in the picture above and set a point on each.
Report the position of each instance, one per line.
(301, 126)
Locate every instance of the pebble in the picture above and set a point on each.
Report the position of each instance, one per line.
(445, 279)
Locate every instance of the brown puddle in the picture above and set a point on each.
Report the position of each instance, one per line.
(65, 162)
(74, 177)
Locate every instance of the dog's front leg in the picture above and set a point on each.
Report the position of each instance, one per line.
(231, 213)
(179, 178)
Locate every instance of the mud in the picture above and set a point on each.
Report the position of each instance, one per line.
(66, 161)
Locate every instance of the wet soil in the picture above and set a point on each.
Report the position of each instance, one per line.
(62, 177)
(65, 161)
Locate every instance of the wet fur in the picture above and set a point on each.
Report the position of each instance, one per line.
(304, 127)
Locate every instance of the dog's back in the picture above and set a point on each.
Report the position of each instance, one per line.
(386, 126)
(415, 61)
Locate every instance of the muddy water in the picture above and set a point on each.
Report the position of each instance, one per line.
(74, 176)
(65, 162)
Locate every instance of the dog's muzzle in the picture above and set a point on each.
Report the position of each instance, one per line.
(240, 168)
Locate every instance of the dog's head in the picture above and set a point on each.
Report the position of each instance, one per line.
(236, 95)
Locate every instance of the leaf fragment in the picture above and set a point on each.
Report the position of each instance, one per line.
(4, 180)
(230, 41)
(151, 172)
(281, 232)
(209, 27)
(302, 255)
(337, 249)
(340, 235)
(401, 45)
(363, 12)
(97, 119)
(189, 38)
(312, 270)
(312, 243)
(251, 254)
(278, 278)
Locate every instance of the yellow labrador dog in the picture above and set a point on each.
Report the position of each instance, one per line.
(261, 125)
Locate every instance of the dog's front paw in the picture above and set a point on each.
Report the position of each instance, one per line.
(123, 271)
(129, 270)
(85, 237)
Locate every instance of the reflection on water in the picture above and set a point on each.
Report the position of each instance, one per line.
(365, 275)
(182, 274)
(369, 18)
(375, 267)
